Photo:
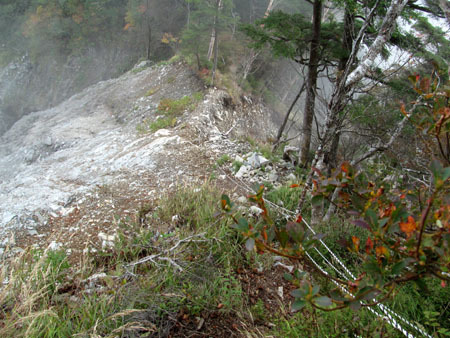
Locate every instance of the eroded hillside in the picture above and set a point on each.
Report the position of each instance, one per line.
(73, 168)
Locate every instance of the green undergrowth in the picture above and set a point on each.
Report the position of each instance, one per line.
(175, 258)
(427, 306)
(192, 273)
(168, 111)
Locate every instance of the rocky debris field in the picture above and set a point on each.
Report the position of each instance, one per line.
(68, 173)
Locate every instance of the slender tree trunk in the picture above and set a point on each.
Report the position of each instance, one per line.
(216, 40)
(212, 41)
(347, 48)
(350, 78)
(149, 42)
(311, 84)
(286, 118)
(269, 8)
(188, 23)
(149, 31)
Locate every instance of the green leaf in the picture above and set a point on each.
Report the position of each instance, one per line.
(355, 305)
(358, 202)
(382, 222)
(299, 274)
(317, 200)
(288, 277)
(436, 169)
(371, 266)
(372, 215)
(250, 244)
(446, 173)
(298, 304)
(398, 267)
(315, 290)
(371, 295)
(323, 301)
(298, 293)
(242, 225)
(283, 238)
(226, 203)
(336, 295)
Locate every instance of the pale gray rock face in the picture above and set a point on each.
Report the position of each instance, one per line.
(52, 161)
(49, 157)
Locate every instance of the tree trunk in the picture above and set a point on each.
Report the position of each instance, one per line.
(212, 42)
(216, 41)
(149, 32)
(349, 79)
(311, 84)
(269, 8)
(188, 23)
(149, 42)
(347, 47)
(286, 118)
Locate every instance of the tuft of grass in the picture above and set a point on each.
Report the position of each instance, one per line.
(170, 109)
(236, 165)
(225, 158)
(346, 323)
(161, 123)
(174, 59)
(285, 196)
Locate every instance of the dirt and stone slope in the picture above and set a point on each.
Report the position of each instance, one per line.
(73, 168)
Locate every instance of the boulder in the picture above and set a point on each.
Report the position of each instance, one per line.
(255, 160)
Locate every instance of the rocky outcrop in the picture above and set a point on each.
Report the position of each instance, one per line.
(83, 158)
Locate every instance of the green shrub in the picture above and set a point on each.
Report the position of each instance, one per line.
(175, 107)
(162, 123)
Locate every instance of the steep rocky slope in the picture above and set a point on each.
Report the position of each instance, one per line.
(73, 168)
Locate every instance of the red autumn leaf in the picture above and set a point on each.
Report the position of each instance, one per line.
(408, 227)
(344, 167)
(299, 219)
(388, 211)
(355, 241)
(264, 234)
(381, 251)
(294, 186)
(369, 245)
(403, 110)
(380, 192)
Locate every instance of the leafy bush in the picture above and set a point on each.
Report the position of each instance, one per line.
(401, 239)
